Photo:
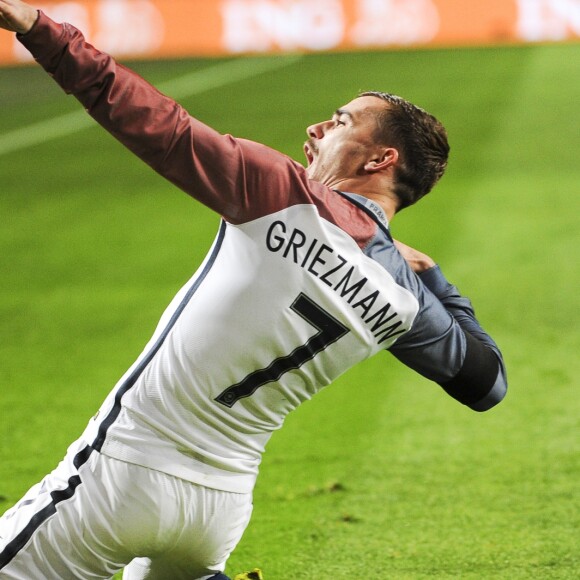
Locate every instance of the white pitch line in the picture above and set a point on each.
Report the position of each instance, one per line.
(181, 87)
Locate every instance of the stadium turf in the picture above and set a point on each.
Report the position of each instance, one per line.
(381, 475)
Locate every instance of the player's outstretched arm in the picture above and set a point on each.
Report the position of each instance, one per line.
(17, 16)
(217, 170)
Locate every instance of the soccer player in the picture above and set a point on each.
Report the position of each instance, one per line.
(302, 282)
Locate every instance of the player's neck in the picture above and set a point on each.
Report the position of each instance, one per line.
(375, 189)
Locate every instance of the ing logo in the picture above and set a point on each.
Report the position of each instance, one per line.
(263, 25)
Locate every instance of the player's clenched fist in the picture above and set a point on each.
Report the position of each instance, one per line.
(17, 16)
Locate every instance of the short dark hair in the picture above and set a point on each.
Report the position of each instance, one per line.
(421, 141)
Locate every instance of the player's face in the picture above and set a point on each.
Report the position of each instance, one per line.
(339, 148)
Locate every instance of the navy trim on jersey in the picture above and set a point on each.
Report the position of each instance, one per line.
(13, 547)
(132, 379)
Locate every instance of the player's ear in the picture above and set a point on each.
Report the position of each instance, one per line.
(386, 157)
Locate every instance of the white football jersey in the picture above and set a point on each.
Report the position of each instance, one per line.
(280, 308)
(302, 283)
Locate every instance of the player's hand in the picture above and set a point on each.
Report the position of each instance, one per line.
(418, 261)
(17, 16)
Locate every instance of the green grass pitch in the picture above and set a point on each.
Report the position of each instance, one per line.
(381, 475)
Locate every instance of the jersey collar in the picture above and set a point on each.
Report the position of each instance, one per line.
(372, 207)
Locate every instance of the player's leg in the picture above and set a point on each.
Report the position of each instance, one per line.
(211, 523)
(55, 531)
(94, 514)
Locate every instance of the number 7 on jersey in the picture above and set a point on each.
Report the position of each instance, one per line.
(329, 331)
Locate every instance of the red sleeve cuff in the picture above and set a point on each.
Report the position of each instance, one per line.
(43, 40)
